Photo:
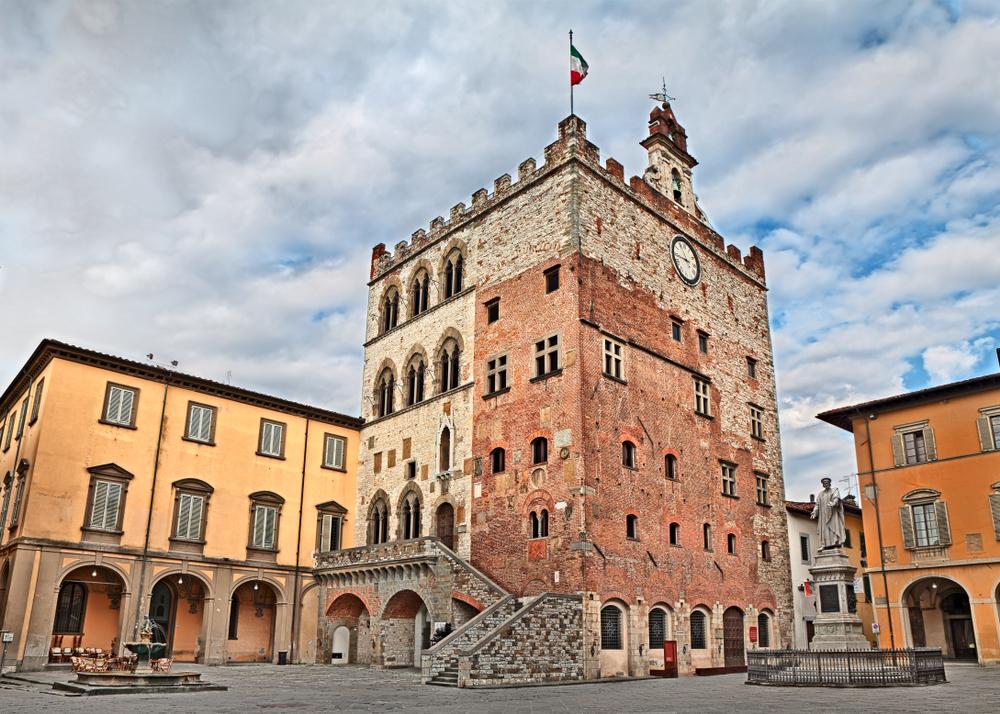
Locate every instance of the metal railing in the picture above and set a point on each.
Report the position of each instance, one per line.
(849, 668)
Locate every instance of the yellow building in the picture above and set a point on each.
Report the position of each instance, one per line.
(130, 489)
(929, 472)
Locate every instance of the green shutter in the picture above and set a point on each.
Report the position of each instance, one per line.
(906, 523)
(944, 532)
(898, 453)
(985, 434)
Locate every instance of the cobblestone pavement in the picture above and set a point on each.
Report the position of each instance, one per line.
(316, 688)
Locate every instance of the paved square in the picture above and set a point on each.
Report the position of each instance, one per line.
(314, 688)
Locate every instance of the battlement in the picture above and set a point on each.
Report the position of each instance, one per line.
(571, 144)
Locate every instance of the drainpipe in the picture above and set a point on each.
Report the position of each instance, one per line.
(293, 650)
(878, 525)
(149, 513)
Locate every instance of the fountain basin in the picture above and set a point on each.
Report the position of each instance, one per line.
(89, 683)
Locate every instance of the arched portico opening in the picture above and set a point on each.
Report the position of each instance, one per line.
(88, 611)
(252, 612)
(350, 630)
(177, 606)
(406, 630)
(939, 615)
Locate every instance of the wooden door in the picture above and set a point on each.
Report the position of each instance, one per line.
(732, 637)
(445, 526)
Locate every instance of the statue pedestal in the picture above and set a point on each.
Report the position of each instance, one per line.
(837, 624)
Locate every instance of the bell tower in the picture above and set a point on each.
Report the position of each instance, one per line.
(669, 170)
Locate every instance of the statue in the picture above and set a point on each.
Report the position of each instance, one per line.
(829, 512)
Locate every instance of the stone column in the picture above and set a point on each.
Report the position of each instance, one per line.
(837, 624)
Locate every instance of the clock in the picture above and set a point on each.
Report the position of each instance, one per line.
(685, 260)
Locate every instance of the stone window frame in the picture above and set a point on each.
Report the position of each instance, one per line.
(492, 310)
(550, 352)
(377, 529)
(325, 463)
(8, 488)
(411, 504)
(539, 451)
(674, 534)
(111, 473)
(677, 329)
(706, 537)
(337, 515)
(699, 638)
(23, 418)
(18, 482)
(751, 367)
(805, 548)
(762, 481)
(731, 543)
(448, 363)
(281, 445)
(385, 388)
(136, 393)
(388, 311)
(631, 526)
(988, 427)
(703, 342)
(36, 403)
(264, 499)
(728, 469)
(928, 501)
(419, 292)
(415, 376)
(764, 618)
(612, 638)
(702, 397)
(765, 550)
(214, 416)
(552, 280)
(538, 524)
(453, 273)
(194, 488)
(630, 455)
(925, 452)
(497, 374)
(664, 625)
(671, 467)
(614, 359)
(756, 421)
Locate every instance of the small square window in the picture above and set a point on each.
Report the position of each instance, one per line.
(411, 470)
(552, 279)
(756, 422)
(547, 355)
(729, 480)
(333, 451)
(762, 494)
(272, 439)
(613, 359)
(702, 401)
(496, 374)
(492, 311)
(675, 330)
(751, 368)
(703, 343)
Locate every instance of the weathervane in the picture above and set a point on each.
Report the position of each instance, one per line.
(662, 96)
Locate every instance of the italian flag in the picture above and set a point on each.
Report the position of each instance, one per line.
(577, 66)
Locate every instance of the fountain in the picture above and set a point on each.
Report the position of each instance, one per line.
(145, 649)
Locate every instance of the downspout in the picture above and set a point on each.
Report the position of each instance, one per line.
(878, 525)
(149, 512)
(298, 549)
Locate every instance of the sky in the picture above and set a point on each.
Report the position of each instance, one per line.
(205, 180)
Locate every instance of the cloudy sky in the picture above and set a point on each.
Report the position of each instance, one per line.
(205, 180)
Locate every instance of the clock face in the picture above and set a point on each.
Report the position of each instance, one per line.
(686, 261)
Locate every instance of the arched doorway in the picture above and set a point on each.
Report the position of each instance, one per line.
(658, 631)
(88, 610)
(732, 637)
(613, 658)
(445, 524)
(177, 607)
(350, 623)
(940, 615)
(252, 610)
(406, 630)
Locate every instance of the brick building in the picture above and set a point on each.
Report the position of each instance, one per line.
(571, 444)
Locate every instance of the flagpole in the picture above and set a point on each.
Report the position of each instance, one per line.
(571, 76)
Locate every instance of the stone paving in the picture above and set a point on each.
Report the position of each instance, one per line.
(317, 688)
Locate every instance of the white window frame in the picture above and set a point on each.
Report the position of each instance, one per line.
(272, 438)
(614, 359)
(120, 417)
(262, 539)
(496, 374)
(757, 422)
(200, 423)
(548, 350)
(101, 510)
(702, 397)
(333, 458)
(330, 532)
(926, 533)
(190, 514)
(728, 479)
(763, 494)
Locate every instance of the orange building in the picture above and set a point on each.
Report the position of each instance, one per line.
(929, 472)
(130, 489)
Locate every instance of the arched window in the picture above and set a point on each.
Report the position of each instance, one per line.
(731, 544)
(539, 450)
(448, 369)
(628, 454)
(453, 274)
(611, 628)
(631, 526)
(415, 382)
(409, 516)
(498, 460)
(419, 291)
(543, 523)
(675, 184)
(390, 309)
(706, 532)
(70, 607)
(670, 466)
(386, 388)
(378, 522)
(444, 450)
(698, 631)
(765, 551)
(763, 630)
(533, 522)
(675, 534)
(657, 628)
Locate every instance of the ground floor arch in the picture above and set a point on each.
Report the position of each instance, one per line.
(732, 637)
(177, 607)
(405, 629)
(349, 624)
(252, 615)
(88, 612)
(614, 634)
(938, 613)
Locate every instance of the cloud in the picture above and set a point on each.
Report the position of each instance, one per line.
(205, 181)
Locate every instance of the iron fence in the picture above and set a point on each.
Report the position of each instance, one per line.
(849, 668)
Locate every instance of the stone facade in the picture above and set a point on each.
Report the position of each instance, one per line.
(629, 534)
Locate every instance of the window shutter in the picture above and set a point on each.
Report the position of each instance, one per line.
(125, 415)
(338, 453)
(906, 523)
(197, 509)
(944, 532)
(258, 527)
(111, 509)
(99, 505)
(929, 444)
(995, 512)
(898, 453)
(265, 438)
(324, 533)
(269, 530)
(985, 434)
(206, 424)
(194, 422)
(114, 404)
(183, 516)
